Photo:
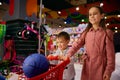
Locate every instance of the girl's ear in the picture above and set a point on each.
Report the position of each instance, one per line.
(102, 16)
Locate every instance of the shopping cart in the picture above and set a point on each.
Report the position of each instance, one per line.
(55, 72)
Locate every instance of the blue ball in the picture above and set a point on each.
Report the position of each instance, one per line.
(35, 64)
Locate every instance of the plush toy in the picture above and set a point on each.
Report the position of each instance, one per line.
(35, 64)
(2, 78)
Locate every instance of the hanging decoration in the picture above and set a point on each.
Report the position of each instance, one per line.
(76, 2)
(11, 8)
(31, 7)
(76, 18)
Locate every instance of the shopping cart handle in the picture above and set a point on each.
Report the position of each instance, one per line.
(51, 57)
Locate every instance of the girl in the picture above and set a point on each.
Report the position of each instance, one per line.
(99, 59)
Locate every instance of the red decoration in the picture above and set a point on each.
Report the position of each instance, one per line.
(11, 8)
(113, 26)
(10, 53)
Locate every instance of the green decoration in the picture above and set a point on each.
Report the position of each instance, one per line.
(76, 16)
(67, 10)
(2, 32)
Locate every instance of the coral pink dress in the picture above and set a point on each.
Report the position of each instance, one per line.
(100, 55)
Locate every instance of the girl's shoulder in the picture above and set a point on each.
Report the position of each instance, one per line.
(109, 32)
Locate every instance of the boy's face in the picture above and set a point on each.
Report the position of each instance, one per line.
(62, 43)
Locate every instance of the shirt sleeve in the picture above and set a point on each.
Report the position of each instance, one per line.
(110, 53)
(77, 45)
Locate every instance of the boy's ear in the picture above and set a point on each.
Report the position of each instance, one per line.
(68, 41)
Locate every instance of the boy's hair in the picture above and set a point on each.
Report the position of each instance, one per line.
(64, 34)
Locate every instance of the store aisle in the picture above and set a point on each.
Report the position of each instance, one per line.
(78, 69)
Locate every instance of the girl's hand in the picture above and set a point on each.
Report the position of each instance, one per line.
(106, 77)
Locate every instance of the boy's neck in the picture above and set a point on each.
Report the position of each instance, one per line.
(64, 49)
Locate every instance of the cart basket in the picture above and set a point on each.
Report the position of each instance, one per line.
(55, 72)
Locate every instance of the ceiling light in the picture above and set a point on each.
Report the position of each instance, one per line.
(119, 15)
(82, 20)
(77, 8)
(0, 3)
(65, 22)
(116, 31)
(101, 4)
(59, 12)
(60, 26)
(116, 27)
(105, 17)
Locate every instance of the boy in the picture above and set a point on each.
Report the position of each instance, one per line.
(62, 40)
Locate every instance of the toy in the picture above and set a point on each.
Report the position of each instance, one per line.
(35, 64)
(2, 78)
(28, 32)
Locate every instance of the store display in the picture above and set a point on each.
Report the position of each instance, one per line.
(20, 54)
(28, 32)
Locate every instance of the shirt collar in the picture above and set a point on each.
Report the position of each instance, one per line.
(98, 29)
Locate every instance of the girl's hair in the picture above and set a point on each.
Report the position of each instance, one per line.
(102, 22)
(63, 34)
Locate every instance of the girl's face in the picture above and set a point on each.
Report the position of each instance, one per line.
(62, 43)
(95, 16)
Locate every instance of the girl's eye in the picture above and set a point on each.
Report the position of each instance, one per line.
(95, 14)
(89, 14)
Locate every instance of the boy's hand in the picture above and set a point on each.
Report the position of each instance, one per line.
(62, 57)
(51, 57)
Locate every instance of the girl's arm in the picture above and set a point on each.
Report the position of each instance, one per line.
(110, 53)
(76, 45)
